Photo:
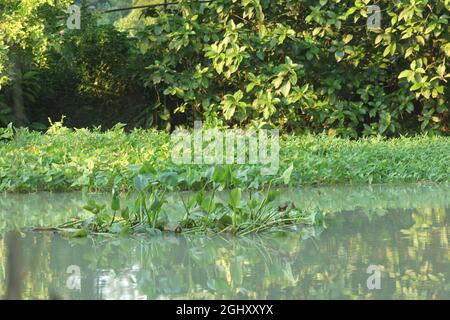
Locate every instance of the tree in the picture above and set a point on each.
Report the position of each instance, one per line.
(27, 29)
(303, 65)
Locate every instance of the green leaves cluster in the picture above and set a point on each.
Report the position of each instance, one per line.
(64, 159)
(30, 27)
(205, 210)
(303, 65)
(299, 65)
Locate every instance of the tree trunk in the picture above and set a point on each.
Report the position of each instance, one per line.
(19, 115)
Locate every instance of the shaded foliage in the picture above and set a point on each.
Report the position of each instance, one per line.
(301, 66)
(304, 65)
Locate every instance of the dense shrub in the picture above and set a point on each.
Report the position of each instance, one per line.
(303, 65)
(299, 65)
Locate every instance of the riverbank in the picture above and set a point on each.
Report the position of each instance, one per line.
(68, 160)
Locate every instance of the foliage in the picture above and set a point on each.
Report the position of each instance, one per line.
(24, 24)
(204, 211)
(303, 65)
(92, 80)
(28, 29)
(64, 159)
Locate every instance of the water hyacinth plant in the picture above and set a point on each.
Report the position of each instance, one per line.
(206, 210)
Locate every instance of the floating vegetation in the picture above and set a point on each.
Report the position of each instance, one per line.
(203, 211)
(65, 160)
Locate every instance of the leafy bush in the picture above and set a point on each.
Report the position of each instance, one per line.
(299, 65)
(303, 65)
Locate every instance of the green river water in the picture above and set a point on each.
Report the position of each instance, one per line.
(402, 230)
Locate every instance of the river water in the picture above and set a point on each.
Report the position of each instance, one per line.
(380, 242)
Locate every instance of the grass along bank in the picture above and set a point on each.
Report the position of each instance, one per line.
(66, 160)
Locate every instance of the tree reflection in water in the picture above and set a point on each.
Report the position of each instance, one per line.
(408, 241)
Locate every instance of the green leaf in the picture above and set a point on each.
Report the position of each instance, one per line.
(416, 86)
(441, 70)
(250, 87)
(140, 182)
(286, 88)
(156, 204)
(409, 52)
(277, 82)
(287, 174)
(347, 38)
(405, 74)
(420, 40)
(272, 195)
(226, 220)
(235, 197)
(115, 203)
(387, 50)
(125, 214)
(378, 39)
(219, 174)
(94, 207)
(208, 204)
(430, 28)
(169, 179)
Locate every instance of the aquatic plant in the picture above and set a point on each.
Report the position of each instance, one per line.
(204, 211)
(63, 159)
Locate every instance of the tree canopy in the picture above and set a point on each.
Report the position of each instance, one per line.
(301, 66)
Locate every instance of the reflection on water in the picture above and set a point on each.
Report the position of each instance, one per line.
(402, 230)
